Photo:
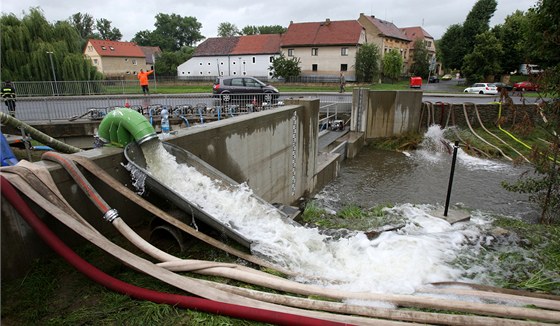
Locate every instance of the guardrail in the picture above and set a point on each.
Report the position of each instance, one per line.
(72, 108)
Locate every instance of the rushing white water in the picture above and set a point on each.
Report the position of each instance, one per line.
(395, 262)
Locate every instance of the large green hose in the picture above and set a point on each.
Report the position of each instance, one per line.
(38, 135)
(122, 125)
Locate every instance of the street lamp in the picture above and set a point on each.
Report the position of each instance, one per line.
(54, 74)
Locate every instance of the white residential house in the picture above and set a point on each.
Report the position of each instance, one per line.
(325, 49)
(249, 55)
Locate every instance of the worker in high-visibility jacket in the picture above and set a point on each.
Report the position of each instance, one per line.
(9, 97)
(143, 78)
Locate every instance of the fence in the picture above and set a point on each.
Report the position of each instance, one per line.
(71, 108)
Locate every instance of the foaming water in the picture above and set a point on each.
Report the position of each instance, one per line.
(395, 262)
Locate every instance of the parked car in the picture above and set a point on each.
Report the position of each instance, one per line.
(433, 79)
(507, 87)
(525, 86)
(482, 88)
(447, 77)
(244, 89)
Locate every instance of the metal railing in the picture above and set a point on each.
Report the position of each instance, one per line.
(201, 105)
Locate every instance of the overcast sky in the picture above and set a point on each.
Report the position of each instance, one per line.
(131, 16)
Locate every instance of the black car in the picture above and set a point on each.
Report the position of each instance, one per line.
(503, 85)
(245, 90)
(433, 79)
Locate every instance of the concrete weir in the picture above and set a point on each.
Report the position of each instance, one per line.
(277, 152)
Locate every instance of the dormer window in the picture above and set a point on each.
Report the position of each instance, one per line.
(103, 47)
(112, 48)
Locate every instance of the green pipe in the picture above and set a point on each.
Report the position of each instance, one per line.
(38, 135)
(122, 125)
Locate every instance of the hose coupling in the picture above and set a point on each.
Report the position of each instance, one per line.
(110, 215)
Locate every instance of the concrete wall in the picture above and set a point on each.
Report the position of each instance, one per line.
(385, 113)
(274, 151)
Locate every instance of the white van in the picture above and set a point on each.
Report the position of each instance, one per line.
(529, 69)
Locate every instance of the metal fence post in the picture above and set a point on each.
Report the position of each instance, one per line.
(455, 147)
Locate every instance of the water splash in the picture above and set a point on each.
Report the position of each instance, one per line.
(395, 262)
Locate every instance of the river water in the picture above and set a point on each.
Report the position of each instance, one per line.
(380, 177)
(425, 250)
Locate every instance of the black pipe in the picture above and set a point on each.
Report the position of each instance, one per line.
(455, 147)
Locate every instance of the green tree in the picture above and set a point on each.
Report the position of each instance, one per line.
(420, 59)
(264, 29)
(83, 23)
(25, 47)
(477, 22)
(106, 31)
(285, 68)
(392, 65)
(452, 48)
(226, 29)
(512, 34)
(484, 61)
(543, 186)
(167, 62)
(172, 33)
(367, 63)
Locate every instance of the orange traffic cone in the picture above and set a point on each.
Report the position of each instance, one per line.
(126, 104)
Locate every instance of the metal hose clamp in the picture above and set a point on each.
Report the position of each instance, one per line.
(110, 215)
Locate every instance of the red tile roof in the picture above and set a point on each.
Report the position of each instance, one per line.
(258, 44)
(342, 32)
(387, 29)
(216, 46)
(107, 48)
(247, 44)
(415, 33)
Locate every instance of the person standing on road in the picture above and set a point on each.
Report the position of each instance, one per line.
(143, 78)
(342, 82)
(9, 97)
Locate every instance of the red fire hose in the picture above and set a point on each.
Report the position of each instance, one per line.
(188, 302)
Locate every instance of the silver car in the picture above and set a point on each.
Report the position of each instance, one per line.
(482, 88)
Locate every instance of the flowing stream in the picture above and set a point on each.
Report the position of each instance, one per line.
(398, 261)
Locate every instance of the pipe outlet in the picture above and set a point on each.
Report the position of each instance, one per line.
(122, 126)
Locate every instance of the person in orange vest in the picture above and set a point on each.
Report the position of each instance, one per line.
(143, 78)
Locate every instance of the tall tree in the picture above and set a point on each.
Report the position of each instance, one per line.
(392, 65)
(420, 59)
(543, 186)
(478, 21)
(29, 44)
(106, 31)
(484, 61)
(226, 29)
(367, 63)
(452, 47)
(250, 30)
(83, 23)
(513, 35)
(172, 32)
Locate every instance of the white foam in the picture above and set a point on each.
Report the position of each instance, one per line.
(395, 262)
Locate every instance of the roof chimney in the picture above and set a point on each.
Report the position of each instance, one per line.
(328, 21)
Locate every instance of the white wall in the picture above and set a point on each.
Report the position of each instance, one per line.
(233, 65)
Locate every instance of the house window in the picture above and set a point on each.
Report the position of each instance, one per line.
(428, 44)
(103, 47)
(254, 60)
(134, 62)
(112, 48)
(125, 59)
(95, 61)
(208, 63)
(314, 67)
(90, 48)
(290, 52)
(344, 51)
(343, 67)
(271, 59)
(200, 63)
(314, 51)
